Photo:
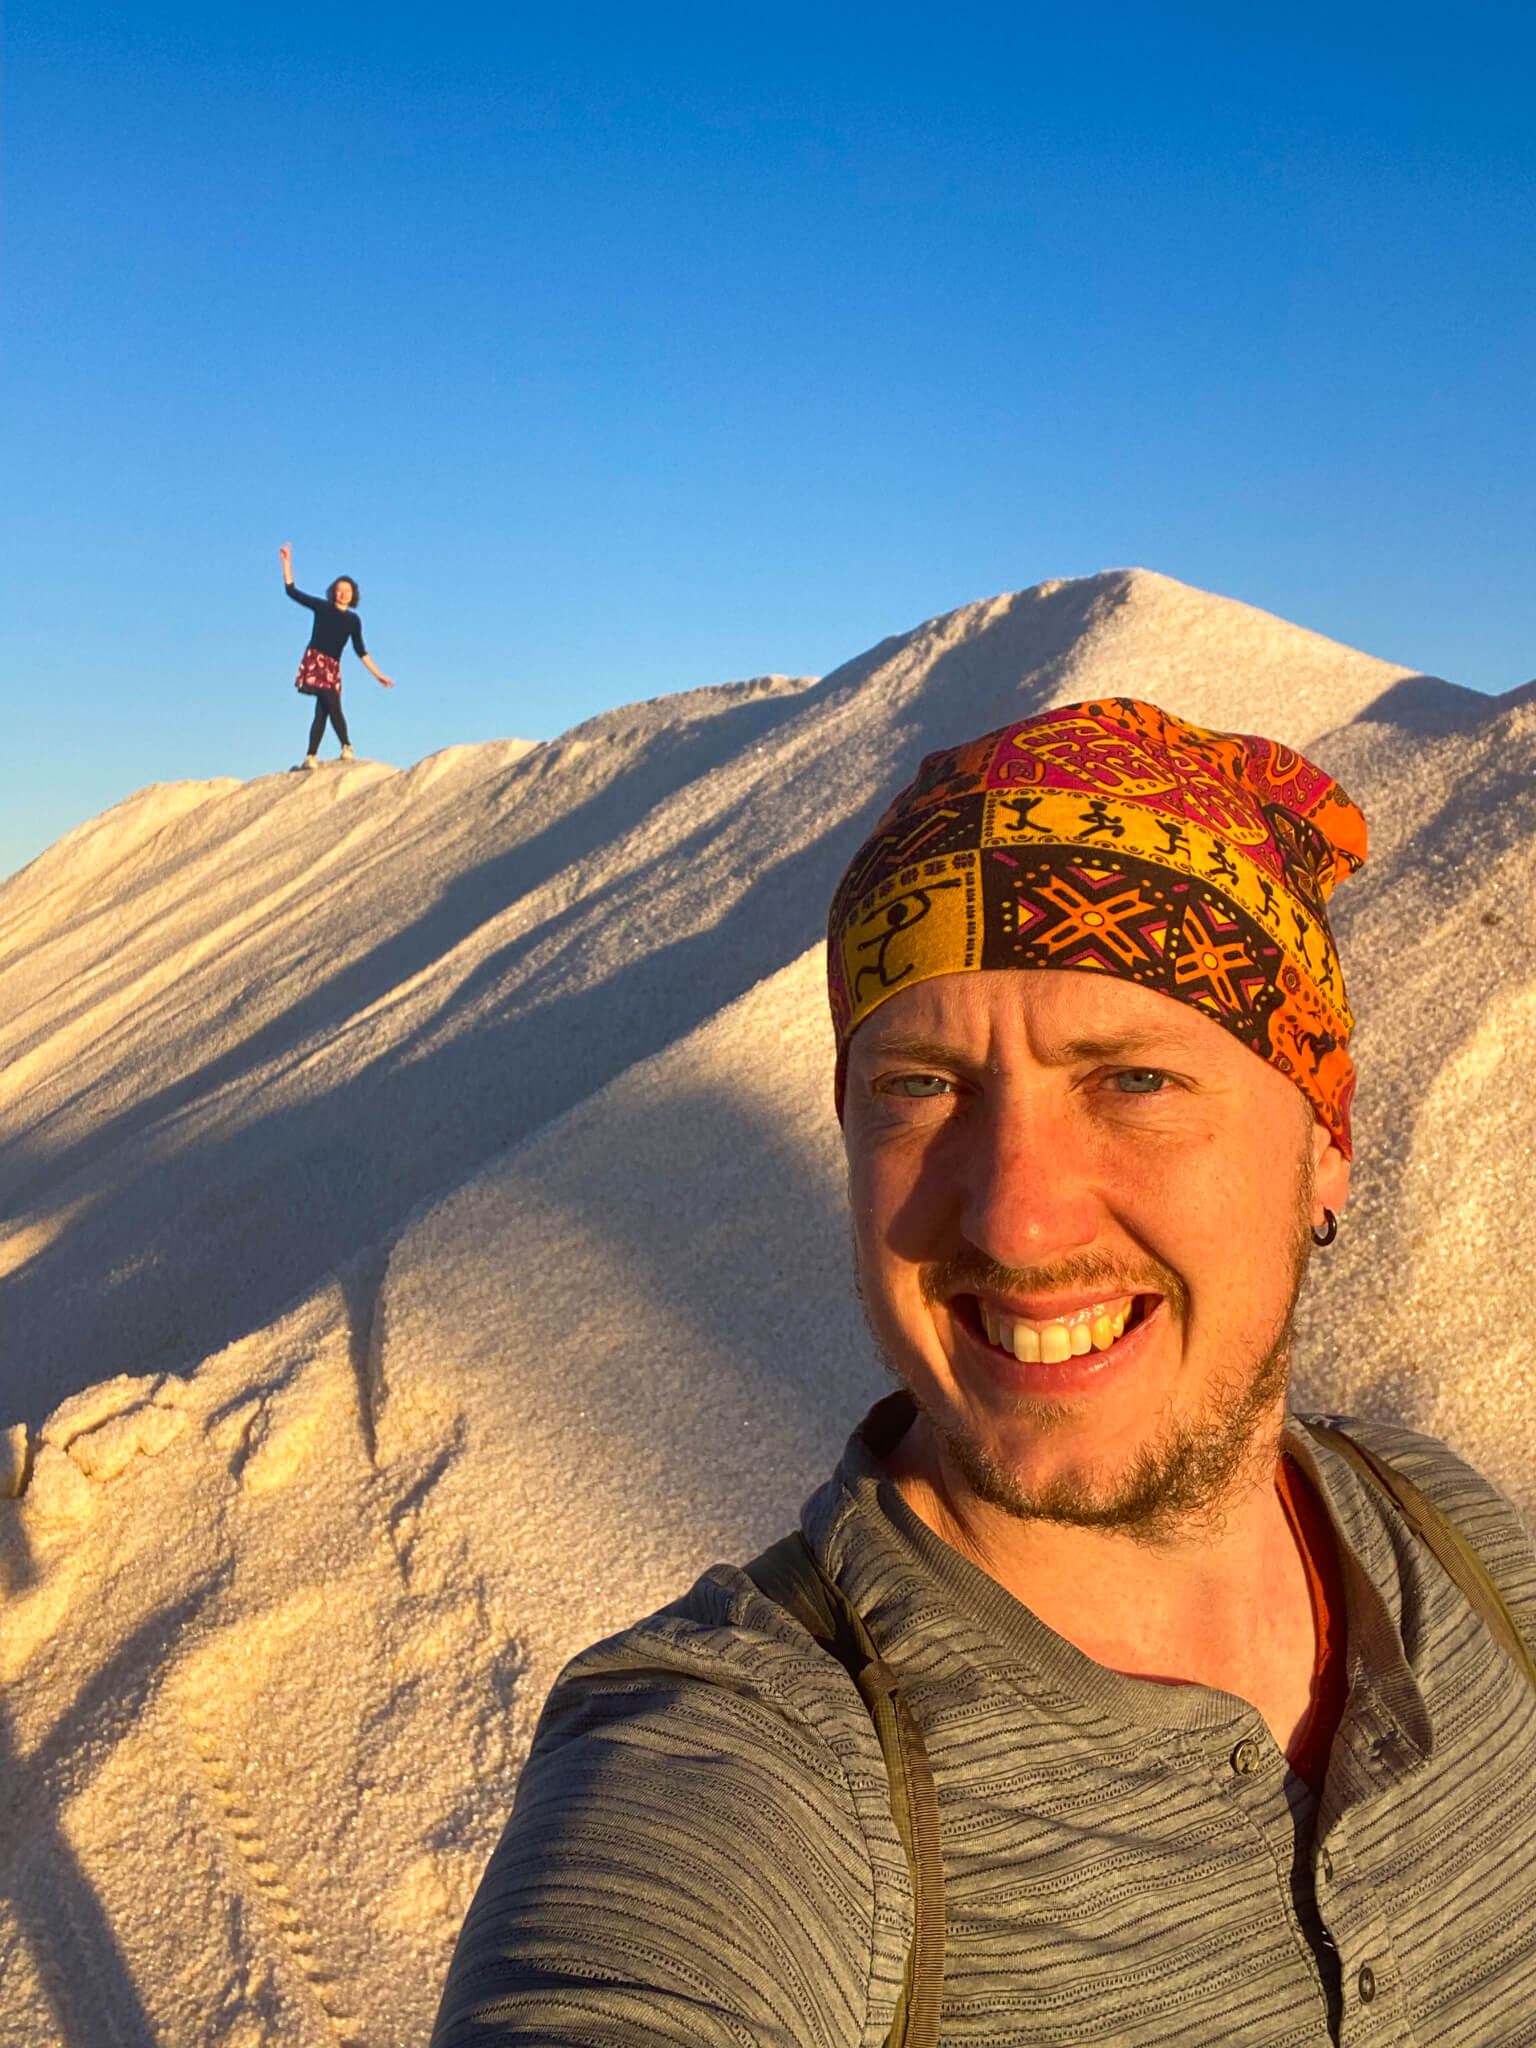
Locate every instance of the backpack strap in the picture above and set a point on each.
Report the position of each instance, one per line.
(789, 1574)
(1441, 1538)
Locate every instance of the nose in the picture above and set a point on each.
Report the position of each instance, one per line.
(1030, 1192)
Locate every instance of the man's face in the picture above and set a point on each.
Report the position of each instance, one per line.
(1080, 1221)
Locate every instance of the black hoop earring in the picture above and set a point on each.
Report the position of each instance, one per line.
(1329, 1231)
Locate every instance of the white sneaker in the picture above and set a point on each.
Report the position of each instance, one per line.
(346, 753)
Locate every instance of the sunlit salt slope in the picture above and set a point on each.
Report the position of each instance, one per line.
(484, 1110)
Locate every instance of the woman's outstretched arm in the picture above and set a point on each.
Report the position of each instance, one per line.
(285, 556)
(373, 669)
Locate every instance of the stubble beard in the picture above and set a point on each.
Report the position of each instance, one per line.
(1190, 1465)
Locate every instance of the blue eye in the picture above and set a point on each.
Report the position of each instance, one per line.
(1138, 1080)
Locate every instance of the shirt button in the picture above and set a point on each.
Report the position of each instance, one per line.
(1365, 1983)
(1245, 1758)
(1325, 1865)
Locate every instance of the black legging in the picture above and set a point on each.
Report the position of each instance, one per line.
(327, 706)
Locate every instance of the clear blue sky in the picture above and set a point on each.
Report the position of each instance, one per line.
(618, 350)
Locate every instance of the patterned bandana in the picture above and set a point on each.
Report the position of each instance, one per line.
(1113, 838)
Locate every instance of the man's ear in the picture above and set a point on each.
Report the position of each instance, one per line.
(1330, 1174)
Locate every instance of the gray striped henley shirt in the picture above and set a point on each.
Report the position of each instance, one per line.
(702, 1850)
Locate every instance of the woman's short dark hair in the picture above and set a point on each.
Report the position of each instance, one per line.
(357, 595)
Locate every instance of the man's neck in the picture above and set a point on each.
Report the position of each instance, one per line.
(1221, 1601)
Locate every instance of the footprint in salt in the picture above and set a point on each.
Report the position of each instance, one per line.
(270, 1433)
(91, 1440)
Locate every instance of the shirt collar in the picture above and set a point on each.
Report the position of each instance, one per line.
(905, 1579)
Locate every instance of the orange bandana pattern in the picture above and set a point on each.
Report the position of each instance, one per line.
(1114, 838)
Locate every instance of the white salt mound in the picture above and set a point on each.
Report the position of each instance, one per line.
(425, 1248)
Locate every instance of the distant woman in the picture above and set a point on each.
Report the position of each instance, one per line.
(319, 676)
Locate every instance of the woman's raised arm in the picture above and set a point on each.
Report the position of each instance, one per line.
(285, 556)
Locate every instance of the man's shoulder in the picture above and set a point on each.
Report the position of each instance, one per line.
(725, 1692)
(1433, 1465)
(1484, 1515)
(702, 1847)
(724, 1633)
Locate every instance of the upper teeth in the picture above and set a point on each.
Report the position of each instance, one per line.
(1061, 1337)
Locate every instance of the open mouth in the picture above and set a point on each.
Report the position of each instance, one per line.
(1050, 1340)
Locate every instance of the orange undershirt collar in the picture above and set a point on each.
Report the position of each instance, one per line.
(1309, 1749)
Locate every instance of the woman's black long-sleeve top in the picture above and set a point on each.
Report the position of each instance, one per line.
(333, 626)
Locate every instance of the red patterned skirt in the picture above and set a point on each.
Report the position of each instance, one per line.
(318, 671)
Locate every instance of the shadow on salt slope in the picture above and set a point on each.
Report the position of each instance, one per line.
(1429, 708)
(323, 1180)
(68, 1936)
(667, 762)
(228, 1231)
(67, 1932)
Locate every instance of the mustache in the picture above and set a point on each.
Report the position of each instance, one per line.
(971, 1271)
